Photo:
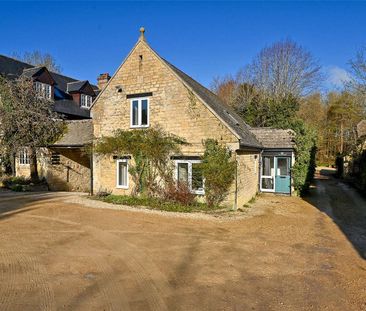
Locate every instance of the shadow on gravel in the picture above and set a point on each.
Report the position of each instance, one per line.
(12, 204)
(343, 204)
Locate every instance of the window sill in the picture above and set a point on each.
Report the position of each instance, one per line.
(139, 126)
(122, 187)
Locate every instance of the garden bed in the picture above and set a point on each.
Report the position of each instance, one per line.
(157, 204)
(22, 184)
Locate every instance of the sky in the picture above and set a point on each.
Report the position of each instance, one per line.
(204, 39)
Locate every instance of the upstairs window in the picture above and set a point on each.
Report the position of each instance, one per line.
(139, 112)
(85, 101)
(43, 89)
(23, 157)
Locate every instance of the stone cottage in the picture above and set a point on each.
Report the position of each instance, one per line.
(146, 90)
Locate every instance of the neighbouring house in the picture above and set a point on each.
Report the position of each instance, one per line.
(147, 90)
(66, 165)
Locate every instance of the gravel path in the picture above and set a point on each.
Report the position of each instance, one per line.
(58, 254)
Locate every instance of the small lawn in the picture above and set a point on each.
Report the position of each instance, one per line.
(156, 204)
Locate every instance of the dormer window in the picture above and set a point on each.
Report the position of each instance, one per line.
(85, 101)
(43, 89)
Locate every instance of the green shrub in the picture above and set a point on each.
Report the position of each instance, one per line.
(9, 182)
(305, 156)
(17, 188)
(218, 170)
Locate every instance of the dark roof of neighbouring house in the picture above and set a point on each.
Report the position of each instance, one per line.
(226, 113)
(361, 128)
(30, 72)
(78, 133)
(75, 86)
(274, 138)
(69, 107)
(12, 68)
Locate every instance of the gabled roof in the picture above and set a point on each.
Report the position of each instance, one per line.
(226, 113)
(75, 86)
(223, 111)
(274, 138)
(31, 72)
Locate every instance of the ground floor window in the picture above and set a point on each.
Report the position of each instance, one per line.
(122, 173)
(189, 172)
(23, 157)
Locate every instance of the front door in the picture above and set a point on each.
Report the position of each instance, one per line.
(282, 174)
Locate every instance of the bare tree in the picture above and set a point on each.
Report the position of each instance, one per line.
(27, 120)
(357, 84)
(282, 69)
(37, 58)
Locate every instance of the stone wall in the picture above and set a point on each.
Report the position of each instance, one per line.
(72, 173)
(172, 107)
(248, 176)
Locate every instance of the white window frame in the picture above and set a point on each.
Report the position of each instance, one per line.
(189, 162)
(272, 176)
(43, 89)
(24, 157)
(85, 101)
(118, 185)
(139, 112)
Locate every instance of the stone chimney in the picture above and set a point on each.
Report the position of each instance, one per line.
(103, 80)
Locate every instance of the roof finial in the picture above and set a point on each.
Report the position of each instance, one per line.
(142, 34)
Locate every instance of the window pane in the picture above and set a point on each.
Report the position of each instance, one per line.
(122, 174)
(267, 183)
(283, 167)
(144, 109)
(135, 115)
(183, 172)
(197, 178)
(268, 166)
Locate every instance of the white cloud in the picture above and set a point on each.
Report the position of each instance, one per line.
(336, 77)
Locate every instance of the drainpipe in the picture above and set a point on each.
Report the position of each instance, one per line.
(260, 170)
(236, 185)
(91, 170)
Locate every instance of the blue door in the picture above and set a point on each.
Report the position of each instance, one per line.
(282, 174)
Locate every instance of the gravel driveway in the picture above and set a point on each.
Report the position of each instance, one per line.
(57, 255)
